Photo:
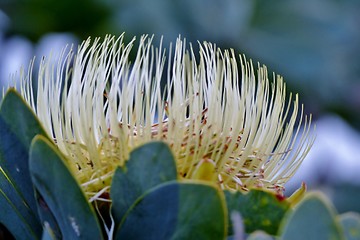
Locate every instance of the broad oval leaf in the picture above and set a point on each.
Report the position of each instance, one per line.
(313, 218)
(15, 213)
(350, 223)
(260, 210)
(18, 125)
(61, 192)
(176, 210)
(147, 167)
(259, 235)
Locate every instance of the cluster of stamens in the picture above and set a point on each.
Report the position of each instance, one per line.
(223, 121)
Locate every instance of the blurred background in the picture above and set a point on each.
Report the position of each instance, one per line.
(314, 44)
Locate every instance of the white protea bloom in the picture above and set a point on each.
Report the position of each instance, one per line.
(224, 121)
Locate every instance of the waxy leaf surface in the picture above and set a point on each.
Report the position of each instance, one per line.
(313, 218)
(259, 210)
(18, 126)
(61, 192)
(176, 210)
(147, 167)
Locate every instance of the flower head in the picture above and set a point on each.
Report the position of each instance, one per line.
(224, 121)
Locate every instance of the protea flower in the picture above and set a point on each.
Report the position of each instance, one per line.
(224, 121)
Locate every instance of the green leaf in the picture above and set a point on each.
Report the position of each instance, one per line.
(259, 235)
(15, 213)
(176, 210)
(61, 192)
(18, 125)
(48, 233)
(259, 209)
(147, 167)
(47, 216)
(23, 121)
(350, 223)
(314, 218)
(17, 129)
(14, 160)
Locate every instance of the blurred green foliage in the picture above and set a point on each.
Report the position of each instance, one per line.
(34, 18)
(313, 44)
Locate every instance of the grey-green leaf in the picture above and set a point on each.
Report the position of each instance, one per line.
(48, 233)
(350, 223)
(18, 125)
(259, 210)
(259, 235)
(147, 167)
(313, 219)
(15, 213)
(61, 192)
(176, 210)
(47, 216)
